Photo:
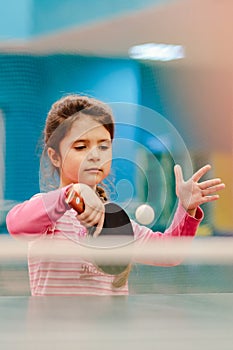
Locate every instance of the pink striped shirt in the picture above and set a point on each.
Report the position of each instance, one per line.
(48, 216)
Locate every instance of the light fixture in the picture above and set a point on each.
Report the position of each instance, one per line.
(157, 52)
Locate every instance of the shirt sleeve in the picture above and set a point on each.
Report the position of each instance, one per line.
(183, 225)
(37, 215)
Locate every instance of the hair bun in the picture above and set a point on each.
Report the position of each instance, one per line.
(69, 105)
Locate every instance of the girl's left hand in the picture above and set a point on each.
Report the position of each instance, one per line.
(192, 193)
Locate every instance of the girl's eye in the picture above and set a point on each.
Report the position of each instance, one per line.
(103, 147)
(79, 148)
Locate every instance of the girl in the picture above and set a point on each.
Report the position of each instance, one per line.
(78, 143)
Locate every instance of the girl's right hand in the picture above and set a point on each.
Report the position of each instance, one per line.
(94, 213)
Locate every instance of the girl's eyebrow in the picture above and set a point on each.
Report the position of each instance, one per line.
(87, 140)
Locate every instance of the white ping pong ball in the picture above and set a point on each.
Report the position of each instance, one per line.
(145, 214)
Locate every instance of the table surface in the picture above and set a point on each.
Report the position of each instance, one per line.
(180, 321)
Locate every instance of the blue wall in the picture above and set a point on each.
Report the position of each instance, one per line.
(23, 19)
(15, 19)
(28, 87)
(21, 90)
(58, 14)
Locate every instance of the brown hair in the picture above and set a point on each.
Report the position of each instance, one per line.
(121, 279)
(73, 106)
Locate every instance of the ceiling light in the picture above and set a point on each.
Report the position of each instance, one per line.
(157, 52)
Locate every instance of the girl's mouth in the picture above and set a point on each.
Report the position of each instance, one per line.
(93, 170)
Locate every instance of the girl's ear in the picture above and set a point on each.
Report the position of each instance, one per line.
(54, 157)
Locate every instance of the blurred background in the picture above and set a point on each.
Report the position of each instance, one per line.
(51, 48)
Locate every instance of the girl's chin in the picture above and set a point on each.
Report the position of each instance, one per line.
(91, 180)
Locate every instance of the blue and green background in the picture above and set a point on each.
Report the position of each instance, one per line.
(31, 82)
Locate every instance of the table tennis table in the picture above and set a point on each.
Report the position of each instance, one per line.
(158, 321)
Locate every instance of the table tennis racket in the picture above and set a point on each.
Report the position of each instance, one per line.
(117, 230)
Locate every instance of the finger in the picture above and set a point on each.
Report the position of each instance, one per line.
(178, 174)
(99, 226)
(197, 175)
(209, 183)
(89, 213)
(207, 199)
(85, 215)
(90, 221)
(213, 189)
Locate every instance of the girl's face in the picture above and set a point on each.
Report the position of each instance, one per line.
(85, 153)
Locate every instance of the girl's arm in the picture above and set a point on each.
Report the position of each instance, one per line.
(191, 193)
(36, 215)
(183, 225)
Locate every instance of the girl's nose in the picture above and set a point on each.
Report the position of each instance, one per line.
(94, 154)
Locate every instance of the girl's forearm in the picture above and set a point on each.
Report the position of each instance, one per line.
(37, 214)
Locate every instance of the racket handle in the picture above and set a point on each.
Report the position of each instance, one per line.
(75, 201)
